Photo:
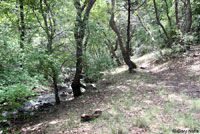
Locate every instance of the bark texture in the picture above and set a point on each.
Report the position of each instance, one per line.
(82, 18)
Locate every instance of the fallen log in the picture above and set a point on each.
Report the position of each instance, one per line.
(89, 117)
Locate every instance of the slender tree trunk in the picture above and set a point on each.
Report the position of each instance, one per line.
(188, 17)
(128, 28)
(169, 39)
(168, 17)
(49, 29)
(146, 28)
(55, 83)
(22, 23)
(176, 2)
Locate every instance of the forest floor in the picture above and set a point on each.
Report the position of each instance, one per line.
(159, 99)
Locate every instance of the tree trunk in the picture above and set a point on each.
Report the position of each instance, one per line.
(169, 39)
(168, 17)
(79, 34)
(125, 53)
(49, 29)
(176, 2)
(128, 29)
(22, 24)
(55, 83)
(76, 85)
(146, 28)
(188, 17)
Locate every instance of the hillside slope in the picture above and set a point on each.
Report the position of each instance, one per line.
(162, 98)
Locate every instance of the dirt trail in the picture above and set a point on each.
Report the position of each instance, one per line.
(180, 74)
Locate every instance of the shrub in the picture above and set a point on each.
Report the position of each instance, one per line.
(95, 64)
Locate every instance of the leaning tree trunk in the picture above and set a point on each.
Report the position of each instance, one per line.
(125, 52)
(79, 34)
(146, 28)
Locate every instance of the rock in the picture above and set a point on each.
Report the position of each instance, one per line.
(39, 103)
(61, 87)
(63, 94)
(28, 106)
(73, 69)
(83, 84)
(50, 98)
(45, 106)
(83, 90)
(90, 86)
(10, 113)
(69, 90)
(142, 68)
(5, 114)
(5, 123)
(67, 79)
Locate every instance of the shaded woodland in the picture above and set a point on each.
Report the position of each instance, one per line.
(61, 49)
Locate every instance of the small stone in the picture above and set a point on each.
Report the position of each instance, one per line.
(91, 86)
(83, 90)
(5, 123)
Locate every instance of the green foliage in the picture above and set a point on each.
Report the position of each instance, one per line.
(142, 50)
(16, 76)
(189, 38)
(20, 70)
(40, 64)
(96, 63)
(169, 53)
(12, 96)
